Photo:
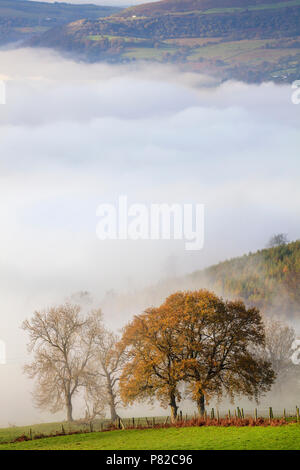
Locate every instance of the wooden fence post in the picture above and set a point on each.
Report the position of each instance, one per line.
(255, 414)
(122, 424)
(212, 415)
(270, 413)
(297, 411)
(218, 416)
(229, 415)
(284, 414)
(243, 416)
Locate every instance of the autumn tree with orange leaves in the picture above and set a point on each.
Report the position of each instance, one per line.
(199, 339)
(151, 370)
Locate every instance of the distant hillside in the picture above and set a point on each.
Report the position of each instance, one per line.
(268, 279)
(20, 19)
(176, 6)
(250, 40)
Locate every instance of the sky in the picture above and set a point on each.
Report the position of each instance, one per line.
(76, 135)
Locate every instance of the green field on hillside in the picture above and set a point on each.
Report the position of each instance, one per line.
(213, 11)
(12, 433)
(266, 6)
(147, 53)
(196, 438)
(98, 37)
(242, 51)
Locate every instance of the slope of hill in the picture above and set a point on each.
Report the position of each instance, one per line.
(268, 279)
(251, 40)
(179, 6)
(20, 19)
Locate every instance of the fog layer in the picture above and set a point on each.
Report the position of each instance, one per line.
(76, 135)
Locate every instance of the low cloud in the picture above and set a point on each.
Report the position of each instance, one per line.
(76, 135)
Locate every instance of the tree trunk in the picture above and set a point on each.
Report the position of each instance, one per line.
(113, 413)
(174, 408)
(200, 403)
(112, 397)
(69, 409)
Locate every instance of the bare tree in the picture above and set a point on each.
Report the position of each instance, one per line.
(278, 240)
(278, 349)
(95, 398)
(108, 361)
(62, 341)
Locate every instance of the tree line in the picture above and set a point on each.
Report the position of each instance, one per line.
(268, 279)
(194, 345)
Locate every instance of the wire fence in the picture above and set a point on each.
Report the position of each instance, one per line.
(213, 416)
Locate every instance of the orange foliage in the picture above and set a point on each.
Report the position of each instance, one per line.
(199, 339)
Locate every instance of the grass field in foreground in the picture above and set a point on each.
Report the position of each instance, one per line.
(12, 433)
(195, 438)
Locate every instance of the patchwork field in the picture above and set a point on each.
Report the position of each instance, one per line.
(244, 40)
(270, 58)
(272, 61)
(264, 6)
